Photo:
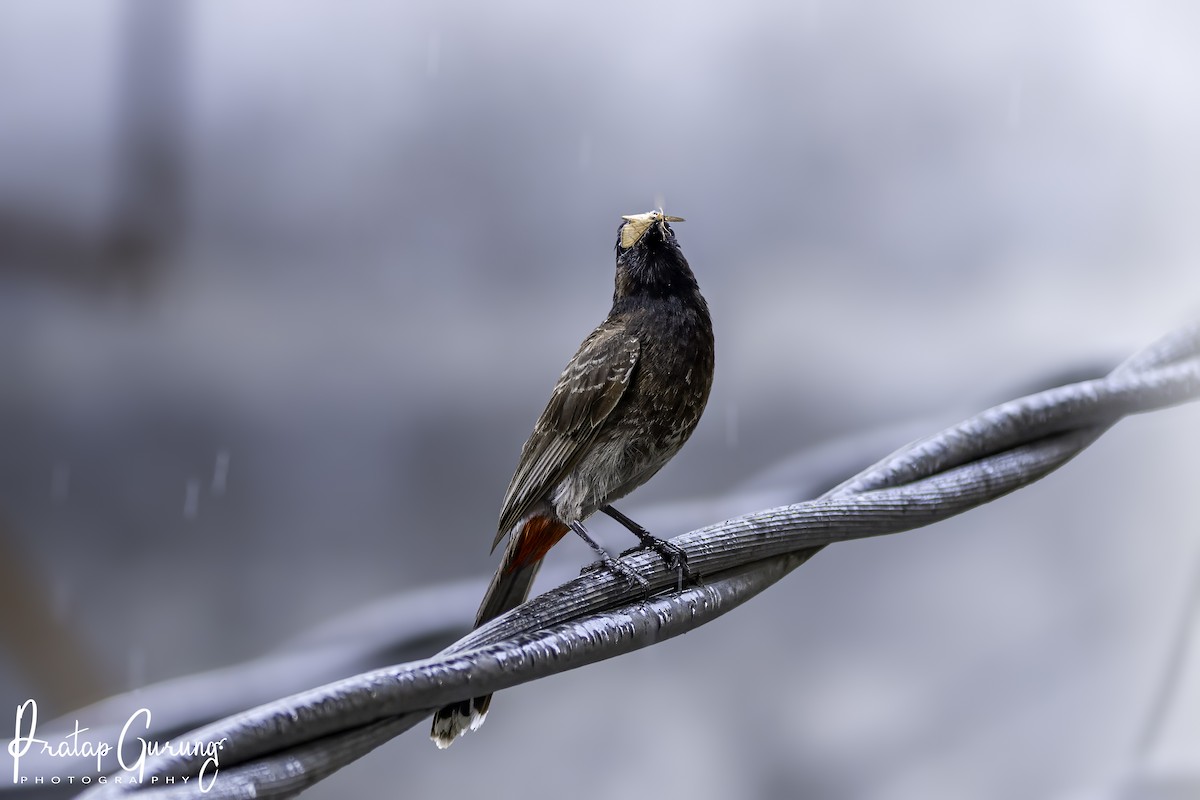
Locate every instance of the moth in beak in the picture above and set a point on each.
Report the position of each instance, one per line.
(636, 225)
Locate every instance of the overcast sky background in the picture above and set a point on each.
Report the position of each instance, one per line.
(284, 285)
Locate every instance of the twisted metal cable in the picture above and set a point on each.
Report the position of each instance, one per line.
(279, 749)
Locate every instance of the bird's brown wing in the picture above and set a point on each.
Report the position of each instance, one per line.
(586, 393)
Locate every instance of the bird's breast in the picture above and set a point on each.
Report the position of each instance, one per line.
(674, 374)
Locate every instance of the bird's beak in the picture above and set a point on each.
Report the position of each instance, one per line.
(673, 219)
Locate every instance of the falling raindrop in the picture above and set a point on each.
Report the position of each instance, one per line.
(731, 425)
(433, 55)
(191, 499)
(220, 472)
(60, 482)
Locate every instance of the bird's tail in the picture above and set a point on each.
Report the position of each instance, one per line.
(508, 589)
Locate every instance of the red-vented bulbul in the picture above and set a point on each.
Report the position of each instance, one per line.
(624, 405)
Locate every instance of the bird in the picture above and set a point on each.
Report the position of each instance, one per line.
(622, 408)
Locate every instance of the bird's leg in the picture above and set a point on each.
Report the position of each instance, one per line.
(674, 555)
(624, 570)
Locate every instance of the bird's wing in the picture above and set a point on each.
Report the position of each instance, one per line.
(586, 393)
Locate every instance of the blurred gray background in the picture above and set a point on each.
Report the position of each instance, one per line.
(283, 286)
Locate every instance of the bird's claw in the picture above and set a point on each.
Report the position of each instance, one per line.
(673, 554)
(627, 572)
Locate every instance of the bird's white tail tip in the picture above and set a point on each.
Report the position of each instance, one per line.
(448, 727)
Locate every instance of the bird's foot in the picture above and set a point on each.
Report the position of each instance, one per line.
(624, 570)
(673, 554)
(620, 568)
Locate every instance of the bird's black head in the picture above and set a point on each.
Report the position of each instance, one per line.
(649, 261)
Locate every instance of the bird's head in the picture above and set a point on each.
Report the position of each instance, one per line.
(649, 261)
(645, 229)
